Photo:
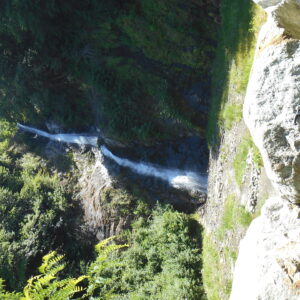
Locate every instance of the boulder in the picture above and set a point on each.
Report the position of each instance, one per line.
(271, 104)
(285, 13)
(268, 265)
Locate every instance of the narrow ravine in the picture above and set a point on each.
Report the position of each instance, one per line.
(179, 179)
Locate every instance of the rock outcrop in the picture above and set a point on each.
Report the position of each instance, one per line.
(285, 13)
(94, 178)
(268, 265)
(272, 101)
(110, 187)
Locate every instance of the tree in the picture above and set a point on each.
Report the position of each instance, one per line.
(163, 261)
(128, 60)
(48, 286)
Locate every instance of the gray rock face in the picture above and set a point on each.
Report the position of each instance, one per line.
(267, 3)
(285, 13)
(288, 18)
(268, 265)
(96, 181)
(272, 101)
(94, 177)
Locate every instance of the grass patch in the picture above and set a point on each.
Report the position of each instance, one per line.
(234, 215)
(214, 284)
(244, 217)
(257, 156)
(239, 163)
(216, 281)
(232, 113)
(241, 21)
(230, 255)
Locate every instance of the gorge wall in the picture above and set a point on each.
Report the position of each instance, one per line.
(109, 185)
(268, 264)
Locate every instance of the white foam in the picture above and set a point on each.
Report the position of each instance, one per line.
(71, 138)
(177, 178)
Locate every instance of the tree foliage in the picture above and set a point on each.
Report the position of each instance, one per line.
(162, 262)
(36, 213)
(125, 61)
(47, 285)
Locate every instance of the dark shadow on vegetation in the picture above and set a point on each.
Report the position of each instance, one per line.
(134, 56)
(38, 212)
(235, 35)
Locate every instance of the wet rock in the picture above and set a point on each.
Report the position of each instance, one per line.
(53, 127)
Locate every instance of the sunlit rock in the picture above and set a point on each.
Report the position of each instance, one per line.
(268, 265)
(285, 13)
(271, 105)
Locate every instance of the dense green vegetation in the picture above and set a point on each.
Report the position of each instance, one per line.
(37, 213)
(46, 285)
(162, 261)
(241, 21)
(239, 164)
(120, 65)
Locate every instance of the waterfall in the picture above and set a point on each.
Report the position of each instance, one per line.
(71, 138)
(179, 179)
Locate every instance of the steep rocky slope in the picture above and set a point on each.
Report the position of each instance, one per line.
(238, 185)
(268, 264)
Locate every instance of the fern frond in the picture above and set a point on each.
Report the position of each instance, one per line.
(4, 295)
(49, 261)
(69, 288)
(104, 250)
(100, 246)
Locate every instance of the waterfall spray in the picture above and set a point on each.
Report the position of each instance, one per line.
(176, 178)
(71, 138)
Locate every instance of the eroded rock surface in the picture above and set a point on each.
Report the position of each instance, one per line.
(94, 178)
(285, 13)
(272, 101)
(268, 265)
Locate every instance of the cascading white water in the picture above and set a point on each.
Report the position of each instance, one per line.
(177, 178)
(72, 138)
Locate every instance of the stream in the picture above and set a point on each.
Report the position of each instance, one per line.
(180, 179)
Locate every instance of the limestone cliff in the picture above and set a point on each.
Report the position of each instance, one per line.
(268, 264)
